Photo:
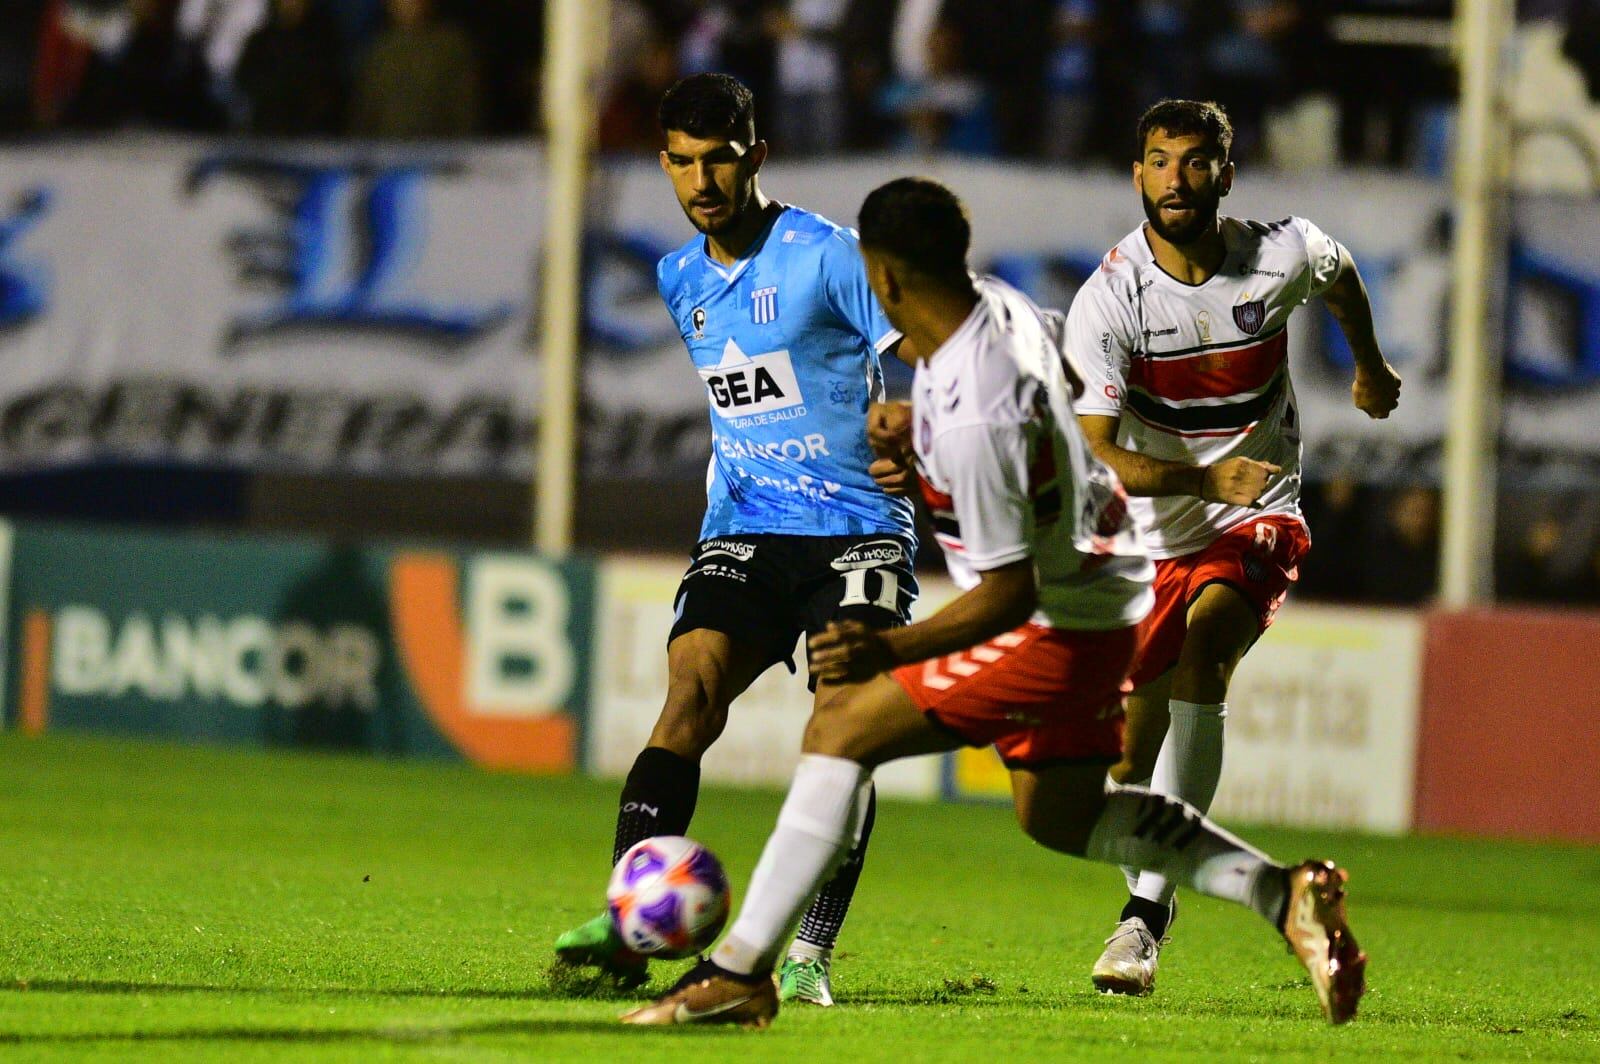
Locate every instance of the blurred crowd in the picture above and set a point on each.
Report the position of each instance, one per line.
(1058, 80)
(296, 68)
(1047, 79)
(1380, 545)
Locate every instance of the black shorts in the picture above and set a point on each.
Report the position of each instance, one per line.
(766, 590)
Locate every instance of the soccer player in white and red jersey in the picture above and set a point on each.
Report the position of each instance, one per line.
(1032, 657)
(1182, 337)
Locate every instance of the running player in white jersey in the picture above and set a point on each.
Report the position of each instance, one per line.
(1182, 337)
(1032, 657)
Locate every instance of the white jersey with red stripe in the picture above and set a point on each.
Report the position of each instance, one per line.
(1200, 373)
(1008, 473)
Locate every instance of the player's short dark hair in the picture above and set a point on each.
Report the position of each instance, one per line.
(919, 222)
(709, 105)
(1187, 118)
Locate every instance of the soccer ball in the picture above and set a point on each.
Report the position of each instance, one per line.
(668, 897)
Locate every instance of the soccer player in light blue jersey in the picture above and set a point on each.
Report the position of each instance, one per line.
(803, 525)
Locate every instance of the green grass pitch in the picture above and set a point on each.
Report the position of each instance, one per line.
(163, 902)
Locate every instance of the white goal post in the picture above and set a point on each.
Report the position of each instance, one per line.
(1466, 563)
(576, 32)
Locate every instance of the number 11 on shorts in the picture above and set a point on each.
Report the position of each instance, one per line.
(855, 589)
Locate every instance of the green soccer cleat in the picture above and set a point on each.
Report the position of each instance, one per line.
(805, 980)
(596, 944)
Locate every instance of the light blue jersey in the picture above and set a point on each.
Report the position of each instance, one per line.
(787, 340)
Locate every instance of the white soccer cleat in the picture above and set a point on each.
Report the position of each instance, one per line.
(1128, 965)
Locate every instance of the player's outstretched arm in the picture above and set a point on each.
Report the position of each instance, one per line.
(1376, 390)
(849, 651)
(1235, 481)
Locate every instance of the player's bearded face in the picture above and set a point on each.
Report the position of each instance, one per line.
(714, 179)
(1199, 214)
(1182, 186)
(708, 213)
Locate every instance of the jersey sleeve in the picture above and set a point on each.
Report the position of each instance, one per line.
(1099, 343)
(1055, 331)
(666, 286)
(1323, 255)
(844, 285)
(986, 470)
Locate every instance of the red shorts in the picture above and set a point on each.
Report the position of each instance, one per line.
(1259, 559)
(1038, 694)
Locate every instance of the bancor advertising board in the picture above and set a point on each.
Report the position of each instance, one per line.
(292, 643)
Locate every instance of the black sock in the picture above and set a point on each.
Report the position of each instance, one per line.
(1283, 908)
(657, 799)
(1154, 914)
(822, 921)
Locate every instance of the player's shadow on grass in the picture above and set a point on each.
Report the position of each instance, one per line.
(102, 986)
(399, 1034)
(396, 1034)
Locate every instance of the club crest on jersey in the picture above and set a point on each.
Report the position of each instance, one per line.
(764, 305)
(698, 317)
(1251, 316)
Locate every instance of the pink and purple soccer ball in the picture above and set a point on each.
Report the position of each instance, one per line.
(668, 896)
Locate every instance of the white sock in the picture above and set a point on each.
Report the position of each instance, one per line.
(1129, 873)
(816, 829)
(800, 950)
(1140, 827)
(1188, 767)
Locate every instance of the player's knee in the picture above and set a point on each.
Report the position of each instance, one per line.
(1210, 654)
(834, 730)
(1221, 629)
(1201, 680)
(823, 737)
(688, 735)
(826, 731)
(1052, 829)
(1217, 640)
(693, 718)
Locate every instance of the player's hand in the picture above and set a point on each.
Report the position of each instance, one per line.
(1377, 391)
(889, 430)
(1237, 481)
(848, 651)
(894, 476)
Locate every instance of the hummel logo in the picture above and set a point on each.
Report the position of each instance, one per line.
(684, 1014)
